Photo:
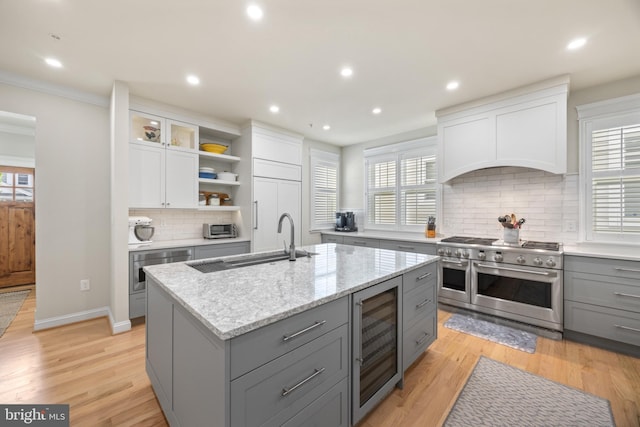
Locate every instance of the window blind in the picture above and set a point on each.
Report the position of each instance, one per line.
(324, 182)
(615, 185)
(401, 185)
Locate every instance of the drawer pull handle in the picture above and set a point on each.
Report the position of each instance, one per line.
(628, 328)
(424, 276)
(632, 270)
(359, 242)
(315, 325)
(423, 303)
(411, 248)
(622, 294)
(423, 339)
(316, 372)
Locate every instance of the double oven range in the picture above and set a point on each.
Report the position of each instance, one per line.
(521, 282)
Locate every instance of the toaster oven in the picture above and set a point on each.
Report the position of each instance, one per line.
(219, 231)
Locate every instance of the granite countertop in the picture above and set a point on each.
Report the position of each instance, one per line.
(166, 244)
(233, 302)
(386, 235)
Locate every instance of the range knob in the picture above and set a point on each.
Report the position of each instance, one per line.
(482, 256)
(457, 253)
(521, 259)
(448, 252)
(498, 258)
(440, 251)
(465, 254)
(537, 261)
(551, 262)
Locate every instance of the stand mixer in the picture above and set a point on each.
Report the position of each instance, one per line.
(140, 230)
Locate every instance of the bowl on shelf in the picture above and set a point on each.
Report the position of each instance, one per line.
(209, 173)
(210, 147)
(227, 176)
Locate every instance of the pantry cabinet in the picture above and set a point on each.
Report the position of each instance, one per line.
(273, 197)
(526, 129)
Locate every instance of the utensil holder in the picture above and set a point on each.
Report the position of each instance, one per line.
(511, 235)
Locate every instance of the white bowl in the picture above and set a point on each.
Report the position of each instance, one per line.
(227, 176)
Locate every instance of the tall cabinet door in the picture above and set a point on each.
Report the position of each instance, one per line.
(146, 176)
(289, 198)
(181, 179)
(265, 214)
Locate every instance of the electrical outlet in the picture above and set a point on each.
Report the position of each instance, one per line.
(570, 226)
(85, 285)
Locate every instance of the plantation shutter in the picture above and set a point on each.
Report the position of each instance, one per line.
(324, 182)
(381, 185)
(615, 179)
(418, 189)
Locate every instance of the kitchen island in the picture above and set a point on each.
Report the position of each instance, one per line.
(271, 344)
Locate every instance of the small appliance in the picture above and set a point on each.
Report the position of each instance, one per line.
(140, 230)
(346, 221)
(219, 231)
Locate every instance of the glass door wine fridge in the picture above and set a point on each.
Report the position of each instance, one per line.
(376, 344)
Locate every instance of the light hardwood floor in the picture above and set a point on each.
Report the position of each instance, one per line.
(103, 378)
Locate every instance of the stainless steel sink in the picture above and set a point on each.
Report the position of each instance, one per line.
(245, 261)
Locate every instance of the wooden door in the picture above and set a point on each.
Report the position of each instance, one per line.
(17, 226)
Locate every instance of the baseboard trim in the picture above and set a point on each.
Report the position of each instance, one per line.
(67, 319)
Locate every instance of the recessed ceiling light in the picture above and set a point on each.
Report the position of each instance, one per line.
(255, 12)
(346, 72)
(274, 109)
(52, 62)
(326, 127)
(452, 85)
(193, 80)
(376, 110)
(154, 123)
(577, 43)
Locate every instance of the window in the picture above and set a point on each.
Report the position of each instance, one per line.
(325, 168)
(610, 170)
(401, 185)
(16, 184)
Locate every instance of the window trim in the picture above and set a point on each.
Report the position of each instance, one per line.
(616, 112)
(316, 156)
(425, 146)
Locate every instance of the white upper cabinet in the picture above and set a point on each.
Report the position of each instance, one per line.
(527, 129)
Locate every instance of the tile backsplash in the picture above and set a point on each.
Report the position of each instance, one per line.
(473, 202)
(178, 224)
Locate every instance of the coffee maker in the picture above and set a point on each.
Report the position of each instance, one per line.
(346, 221)
(140, 230)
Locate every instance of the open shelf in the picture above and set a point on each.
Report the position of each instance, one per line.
(218, 208)
(221, 157)
(217, 182)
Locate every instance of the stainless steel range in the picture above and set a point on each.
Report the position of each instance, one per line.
(522, 281)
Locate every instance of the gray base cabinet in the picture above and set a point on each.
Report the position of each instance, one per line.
(420, 314)
(602, 299)
(396, 245)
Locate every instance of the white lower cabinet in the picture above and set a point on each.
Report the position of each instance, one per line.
(272, 198)
(162, 178)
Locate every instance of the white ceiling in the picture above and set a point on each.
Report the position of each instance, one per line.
(402, 52)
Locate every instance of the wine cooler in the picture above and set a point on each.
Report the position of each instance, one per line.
(376, 344)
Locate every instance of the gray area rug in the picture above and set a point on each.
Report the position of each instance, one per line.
(10, 303)
(505, 335)
(500, 395)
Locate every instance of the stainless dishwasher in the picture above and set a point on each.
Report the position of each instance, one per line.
(137, 279)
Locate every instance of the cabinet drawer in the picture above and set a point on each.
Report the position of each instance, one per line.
(222, 249)
(417, 302)
(283, 387)
(331, 409)
(330, 238)
(360, 241)
(427, 275)
(616, 325)
(256, 348)
(609, 267)
(613, 292)
(398, 245)
(417, 338)
(137, 305)
(277, 170)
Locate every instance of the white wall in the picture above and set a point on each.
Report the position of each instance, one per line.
(309, 238)
(17, 150)
(72, 200)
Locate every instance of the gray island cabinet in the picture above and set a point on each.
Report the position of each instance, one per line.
(272, 344)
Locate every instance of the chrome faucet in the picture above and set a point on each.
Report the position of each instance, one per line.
(292, 245)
